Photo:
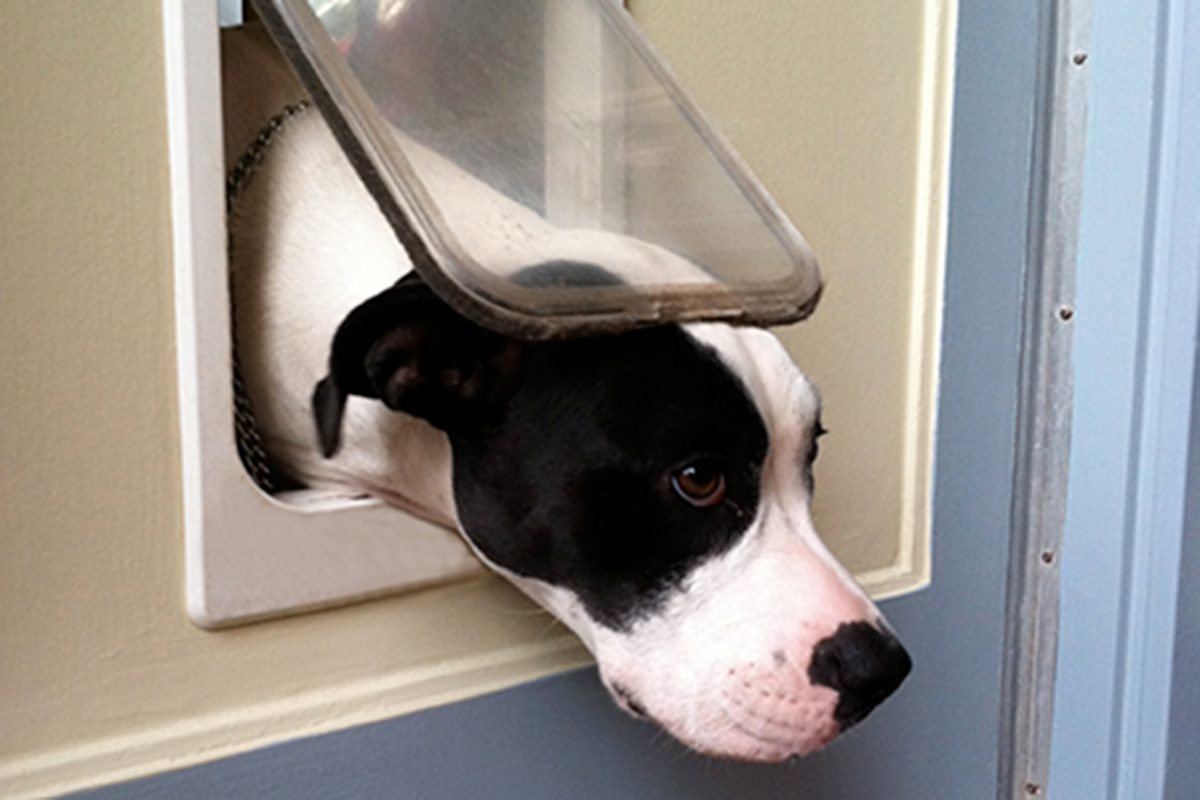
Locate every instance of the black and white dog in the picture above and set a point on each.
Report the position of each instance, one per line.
(649, 489)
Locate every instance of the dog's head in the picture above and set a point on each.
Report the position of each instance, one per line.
(652, 490)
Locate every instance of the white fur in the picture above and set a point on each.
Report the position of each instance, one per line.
(722, 665)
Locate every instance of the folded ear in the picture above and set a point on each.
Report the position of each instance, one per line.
(408, 349)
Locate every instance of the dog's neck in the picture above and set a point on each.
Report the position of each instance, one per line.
(400, 459)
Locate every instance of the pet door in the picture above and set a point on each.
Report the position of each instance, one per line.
(541, 166)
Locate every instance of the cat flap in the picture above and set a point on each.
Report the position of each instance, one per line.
(542, 167)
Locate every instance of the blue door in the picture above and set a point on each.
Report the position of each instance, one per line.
(562, 738)
(941, 735)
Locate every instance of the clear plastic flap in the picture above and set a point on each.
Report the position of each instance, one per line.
(542, 166)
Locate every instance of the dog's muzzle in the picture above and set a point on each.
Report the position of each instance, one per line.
(783, 703)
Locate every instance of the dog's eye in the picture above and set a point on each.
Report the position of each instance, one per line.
(701, 483)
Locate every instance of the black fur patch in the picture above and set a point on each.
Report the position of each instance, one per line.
(571, 483)
(407, 348)
(564, 274)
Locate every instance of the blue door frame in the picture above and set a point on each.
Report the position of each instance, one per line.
(1119, 719)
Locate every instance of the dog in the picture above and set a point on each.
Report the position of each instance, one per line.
(650, 489)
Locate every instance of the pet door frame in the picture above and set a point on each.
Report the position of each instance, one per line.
(250, 556)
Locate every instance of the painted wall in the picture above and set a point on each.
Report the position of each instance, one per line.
(102, 677)
(100, 671)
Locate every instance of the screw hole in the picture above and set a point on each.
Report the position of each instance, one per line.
(1065, 313)
(1080, 59)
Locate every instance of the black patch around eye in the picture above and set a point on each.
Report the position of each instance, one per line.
(571, 487)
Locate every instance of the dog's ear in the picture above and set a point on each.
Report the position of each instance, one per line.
(407, 348)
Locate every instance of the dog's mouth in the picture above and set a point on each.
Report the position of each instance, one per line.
(628, 701)
(740, 731)
(736, 738)
(770, 737)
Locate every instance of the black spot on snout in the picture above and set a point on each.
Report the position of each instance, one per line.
(863, 664)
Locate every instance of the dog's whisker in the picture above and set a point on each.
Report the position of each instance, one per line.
(551, 626)
(514, 611)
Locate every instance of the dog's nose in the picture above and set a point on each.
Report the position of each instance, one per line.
(863, 664)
